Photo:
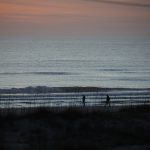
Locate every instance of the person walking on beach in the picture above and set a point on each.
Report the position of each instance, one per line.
(83, 100)
(107, 101)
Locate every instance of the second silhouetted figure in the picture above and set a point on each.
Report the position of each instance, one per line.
(83, 100)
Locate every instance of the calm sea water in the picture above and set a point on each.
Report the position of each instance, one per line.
(74, 63)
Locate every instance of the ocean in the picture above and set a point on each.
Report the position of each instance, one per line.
(65, 63)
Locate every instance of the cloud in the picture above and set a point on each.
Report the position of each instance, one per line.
(125, 3)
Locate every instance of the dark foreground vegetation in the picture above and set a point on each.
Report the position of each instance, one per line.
(73, 129)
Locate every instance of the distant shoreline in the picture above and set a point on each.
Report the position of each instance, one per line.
(76, 89)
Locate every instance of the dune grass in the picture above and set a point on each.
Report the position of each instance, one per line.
(76, 129)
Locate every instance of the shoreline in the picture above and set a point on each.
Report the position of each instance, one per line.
(71, 96)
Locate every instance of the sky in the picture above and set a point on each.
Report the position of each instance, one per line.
(55, 18)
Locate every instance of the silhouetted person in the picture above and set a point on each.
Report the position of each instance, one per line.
(107, 101)
(83, 100)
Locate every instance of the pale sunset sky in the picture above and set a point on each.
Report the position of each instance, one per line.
(48, 18)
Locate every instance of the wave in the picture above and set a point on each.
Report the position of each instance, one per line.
(107, 69)
(75, 89)
(133, 79)
(122, 70)
(36, 73)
